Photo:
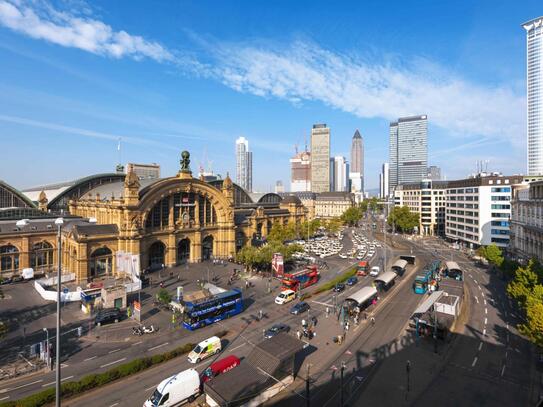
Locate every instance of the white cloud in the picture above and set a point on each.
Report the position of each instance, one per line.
(77, 31)
(305, 71)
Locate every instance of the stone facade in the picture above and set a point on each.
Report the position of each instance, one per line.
(527, 221)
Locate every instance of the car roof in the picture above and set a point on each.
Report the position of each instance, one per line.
(287, 292)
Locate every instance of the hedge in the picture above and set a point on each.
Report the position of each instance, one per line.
(339, 279)
(95, 380)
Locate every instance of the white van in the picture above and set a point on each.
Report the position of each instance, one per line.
(285, 296)
(374, 271)
(205, 349)
(184, 386)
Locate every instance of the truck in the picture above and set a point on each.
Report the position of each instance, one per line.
(184, 386)
(362, 268)
(301, 279)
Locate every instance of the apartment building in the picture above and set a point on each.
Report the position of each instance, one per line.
(332, 204)
(527, 221)
(427, 198)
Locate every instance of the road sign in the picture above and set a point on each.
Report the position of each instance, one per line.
(65, 290)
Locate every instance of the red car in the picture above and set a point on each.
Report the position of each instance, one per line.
(219, 367)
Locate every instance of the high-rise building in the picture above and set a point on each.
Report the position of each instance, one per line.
(383, 181)
(408, 150)
(339, 170)
(434, 173)
(300, 175)
(144, 171)
(320, 158)
(356, 173)
(279, 188)
(534, 43)
(244, 164)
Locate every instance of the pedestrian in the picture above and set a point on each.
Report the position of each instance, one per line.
(246, 284)
(304, 323)
(347, 325)
(372, 320)
(299, 334)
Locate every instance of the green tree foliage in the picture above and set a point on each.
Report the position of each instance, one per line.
(527, 289)
(492, 253)
(351, 216)
(280, 233)
(364, 206)
(373, 203)
(164, 296)
(261, 257)
(402, 219)
(333, 225)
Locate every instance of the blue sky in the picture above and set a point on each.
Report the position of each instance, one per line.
(169, 76)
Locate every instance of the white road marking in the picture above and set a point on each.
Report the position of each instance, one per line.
(112, 363)
(484, 332)
(505, 354)
(477, 299)
(484, 301)
(474, 362)
(158, 346)
(50, 384)
(4, 398)
(507, 326)
(19, 387)
(91, 358)
(486, 310)
(476, 282)
(114, 404)
(137, 343)
(480, 289)
(322, 303)
(485, 321)
(150, 388)
(114, 350)
(503, 370)
(237, 347)
(480, 345)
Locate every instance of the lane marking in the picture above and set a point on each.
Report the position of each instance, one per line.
(503, 370)
(474, 362)
(486, 310)
(484, 332)
(61, 380)
(158, 346)
(112, 363)
(114, 350)
(477, 299)
(480, 345)
(4, 398)
(507, 326)
(480, 289)
(485, 321)
(150, 388)
(476, 282)
(484, 301)
(237, 347)
(91, 358)
(505, 354)
(114, 404)
(137, 343)
(20, 387)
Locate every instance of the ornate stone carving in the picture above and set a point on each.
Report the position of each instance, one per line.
(185, 161)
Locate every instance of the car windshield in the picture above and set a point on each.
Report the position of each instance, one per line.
(282, 295)
(197, 349)
(155, 398)
(274, 329)
(208, 372)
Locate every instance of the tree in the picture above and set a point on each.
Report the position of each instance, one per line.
(164, 296)
(333, 225)
(351, 216)
(533, 328)
(373, 203)
(492, 253)
(280, 233)
(364, 206)
(3, 329)
(401, 218)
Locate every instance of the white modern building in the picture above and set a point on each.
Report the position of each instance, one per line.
(534, 62)
(527, 221)
(320, 158)
(408, 150)
(427, 198)
(244, 164)
(339, 172)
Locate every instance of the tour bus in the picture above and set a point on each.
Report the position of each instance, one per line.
(362, 299)
(399, 267)
(362, 268)
(212, 309)
(385, 281)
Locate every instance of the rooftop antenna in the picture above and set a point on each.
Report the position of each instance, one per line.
(119, 167)
(296, 148)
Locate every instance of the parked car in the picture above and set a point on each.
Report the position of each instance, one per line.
(209, 347)
(352, 281)
(299, 308)
(285, 296)
(275, 329)
(184, 386)
(107, 316)
(339, 287)
(374, 271)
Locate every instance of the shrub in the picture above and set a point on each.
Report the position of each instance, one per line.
(332, 283)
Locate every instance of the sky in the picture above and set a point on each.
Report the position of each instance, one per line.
(164, 77)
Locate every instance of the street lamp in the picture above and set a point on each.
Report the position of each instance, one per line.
(47, 347)
(59, 222)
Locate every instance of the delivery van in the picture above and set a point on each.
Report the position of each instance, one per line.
(205, 349)
(285, 296)
(219, 367)
(184, 386)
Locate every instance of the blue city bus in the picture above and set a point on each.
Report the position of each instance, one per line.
(211, 309)
(420, 285)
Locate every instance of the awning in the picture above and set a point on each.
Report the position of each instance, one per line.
(400, 264)
(428, 302)
(387, 277)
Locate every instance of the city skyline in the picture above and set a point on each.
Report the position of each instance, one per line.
(173, 112)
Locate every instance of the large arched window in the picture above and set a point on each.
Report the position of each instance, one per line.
(41, 255)
(101, 262)
(185, 205)
(183, 251)
(9, 258)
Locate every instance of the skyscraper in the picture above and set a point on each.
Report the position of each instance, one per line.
(356, 173)
(408, 150)
(339, 170)
(320, 158)
(244, 164)
(434, 173)
(534, 43)
(279, 188)
(300, 172)
(383, 181)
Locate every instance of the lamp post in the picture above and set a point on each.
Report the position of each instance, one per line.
(59, 222)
